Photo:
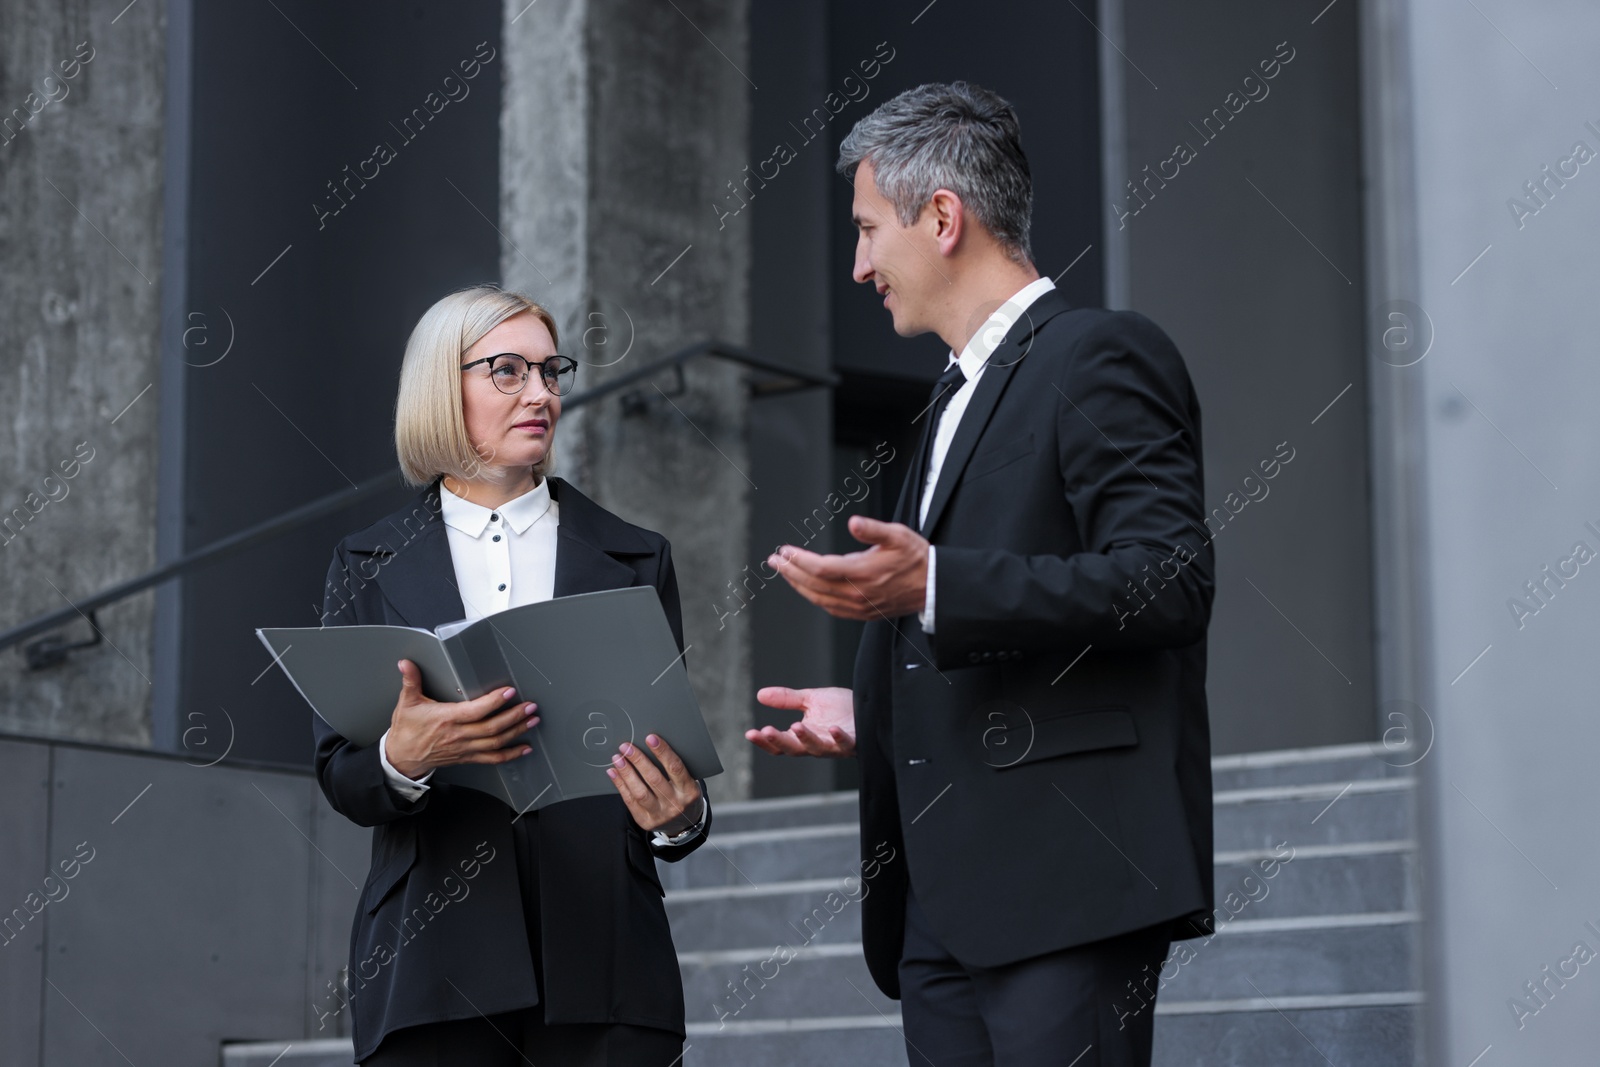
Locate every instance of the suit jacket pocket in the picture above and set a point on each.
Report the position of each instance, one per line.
(642, 858)
(1071, 732)
(392, 868)
(992, 459)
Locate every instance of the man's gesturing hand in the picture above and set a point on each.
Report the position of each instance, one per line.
(827, 726)
(885, 581)
(424, 734)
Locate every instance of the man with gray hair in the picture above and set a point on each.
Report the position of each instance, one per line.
(1029, 702)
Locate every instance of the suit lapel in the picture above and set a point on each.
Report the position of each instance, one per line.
(588, 539)
(583, 567)
(418, 577)
(997, 375)
(905, 510)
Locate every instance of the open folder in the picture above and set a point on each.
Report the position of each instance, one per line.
(603, 668)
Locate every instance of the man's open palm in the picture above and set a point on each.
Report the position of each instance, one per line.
(827, 726)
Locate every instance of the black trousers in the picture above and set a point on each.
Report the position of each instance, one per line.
(517, 1038)
(1072, 1008)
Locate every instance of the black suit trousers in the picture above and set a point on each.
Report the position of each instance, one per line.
(521, 1037)
(1068, 1008)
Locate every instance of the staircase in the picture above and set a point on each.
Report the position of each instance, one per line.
(1314, 961)
(1313, 964)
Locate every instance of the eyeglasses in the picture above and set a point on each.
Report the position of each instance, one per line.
(509, 372)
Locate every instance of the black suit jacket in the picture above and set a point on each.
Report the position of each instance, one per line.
(1039, 765)
(439, 931)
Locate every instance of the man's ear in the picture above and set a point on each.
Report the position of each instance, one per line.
(948, 216)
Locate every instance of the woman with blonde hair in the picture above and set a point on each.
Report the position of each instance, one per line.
(484, 936)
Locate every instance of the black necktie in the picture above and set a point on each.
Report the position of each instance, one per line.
(946, 387)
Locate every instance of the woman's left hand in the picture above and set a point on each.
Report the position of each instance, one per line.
(671, 804)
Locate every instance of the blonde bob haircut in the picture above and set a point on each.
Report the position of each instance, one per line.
(430, 430)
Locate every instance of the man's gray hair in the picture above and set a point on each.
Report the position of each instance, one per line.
(958, 137)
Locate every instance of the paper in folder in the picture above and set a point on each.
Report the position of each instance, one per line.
(603, 668)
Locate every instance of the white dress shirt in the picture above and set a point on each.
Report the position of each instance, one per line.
(504, 557)
(974, 357)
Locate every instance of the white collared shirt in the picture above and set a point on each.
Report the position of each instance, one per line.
(973, 359)
(504, 557)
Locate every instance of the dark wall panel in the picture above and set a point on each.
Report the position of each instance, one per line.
(24, 894)
(1040, 57)
(791, 265)
(1249, 254)
(345, 172)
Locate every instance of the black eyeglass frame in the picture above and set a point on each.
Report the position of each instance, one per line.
(550, 380)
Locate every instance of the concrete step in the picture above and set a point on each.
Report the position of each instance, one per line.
(798, 913)
(1315, 880)
(758, 857)
(1377, 876)
(807, 982)
(1301, 956)
(859, 1041)
(1259, 817)
(1348, 812)
(1335, 764)
(739, 816)
(1308, 766)
(1247, 958)
(1377, 1031)
(328, 1052)
(1359, 876)
(1372, 1031)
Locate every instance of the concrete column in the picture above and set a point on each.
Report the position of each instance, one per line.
(80, 213)
(1485, 174)
(622, 121)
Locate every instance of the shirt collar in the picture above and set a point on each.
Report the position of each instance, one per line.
(519, 513)
(987, 338)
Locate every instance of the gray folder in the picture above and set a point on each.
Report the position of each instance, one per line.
(603, 668)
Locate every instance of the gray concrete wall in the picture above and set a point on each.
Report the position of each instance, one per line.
(80, 210)
(1485, 97)
(622, 120)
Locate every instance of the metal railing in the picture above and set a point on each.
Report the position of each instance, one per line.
(53, 650)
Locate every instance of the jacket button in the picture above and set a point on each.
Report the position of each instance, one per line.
(973, 657)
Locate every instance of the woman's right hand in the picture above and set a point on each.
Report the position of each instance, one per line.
(425, 734)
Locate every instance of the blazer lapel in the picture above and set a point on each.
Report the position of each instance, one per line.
(588, 539)
(997, 375)
(905, 508)
(412, 555)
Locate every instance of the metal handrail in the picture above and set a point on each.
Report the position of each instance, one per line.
(786, 379)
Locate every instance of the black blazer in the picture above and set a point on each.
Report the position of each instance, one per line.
(1039, 795)
(439, 930)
